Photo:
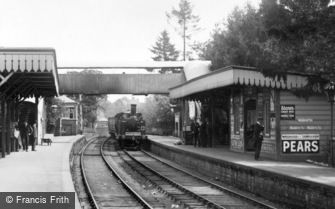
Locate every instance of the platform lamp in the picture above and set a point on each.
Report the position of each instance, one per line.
(330, 91)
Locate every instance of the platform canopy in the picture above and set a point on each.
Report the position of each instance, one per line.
(27, 72)
(235, 75)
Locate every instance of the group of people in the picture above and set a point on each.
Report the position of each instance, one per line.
(200, 133)
(25, 135)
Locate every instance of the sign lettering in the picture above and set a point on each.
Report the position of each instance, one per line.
(300, 143)
(287, 112)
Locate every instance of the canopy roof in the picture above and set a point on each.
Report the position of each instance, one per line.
(26, 72)
(67, 100)
(235, 75)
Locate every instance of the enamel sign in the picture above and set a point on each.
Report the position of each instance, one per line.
(300, 143)
(287, 112)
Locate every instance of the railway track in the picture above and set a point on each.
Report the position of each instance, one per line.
(104, 186)
(107, 186)
(189, 190)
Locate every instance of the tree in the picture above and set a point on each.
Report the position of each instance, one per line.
(165, 51)
(187, 21)
(238, 41)
(301, 36)
(282, 36)
(120, 105)
(90, 103)
(156, 111)
(157, 114)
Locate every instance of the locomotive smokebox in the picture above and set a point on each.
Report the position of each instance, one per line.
(133, 109)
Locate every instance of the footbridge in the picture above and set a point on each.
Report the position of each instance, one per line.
(118, 83)
(137, 84)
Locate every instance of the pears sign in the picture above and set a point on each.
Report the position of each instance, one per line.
(300, 143)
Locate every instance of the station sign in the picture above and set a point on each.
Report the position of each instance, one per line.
(287, 112)
(300, 143)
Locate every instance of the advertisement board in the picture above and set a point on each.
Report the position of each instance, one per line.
(287, 112)
(300, 143)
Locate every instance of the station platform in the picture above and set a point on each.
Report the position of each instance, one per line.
(45, 170)
(301, 170)
(296, 184)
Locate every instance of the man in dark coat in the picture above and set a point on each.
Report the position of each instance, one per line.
(195, 131)
(205, 132)
(33, 136)
(24, 135)
(258, 134)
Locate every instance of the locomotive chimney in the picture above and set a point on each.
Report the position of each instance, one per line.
(133, 109)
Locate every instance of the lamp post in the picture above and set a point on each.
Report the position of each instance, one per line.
(330, 91)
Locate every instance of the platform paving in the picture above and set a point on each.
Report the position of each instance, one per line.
(300, 170)
(45, 170)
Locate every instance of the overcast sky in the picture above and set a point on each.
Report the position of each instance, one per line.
(100, 32)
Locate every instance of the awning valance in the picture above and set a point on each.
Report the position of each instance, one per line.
(26, 72)
(234, 75)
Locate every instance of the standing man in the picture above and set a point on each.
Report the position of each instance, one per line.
(207, 142)
(24, 135)
(30, 132)
(34, 136)
(17, 135)
(258, 134)
(204, 133)
(195, 132)
(192, 131)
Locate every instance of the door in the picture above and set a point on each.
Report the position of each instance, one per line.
(250, 118)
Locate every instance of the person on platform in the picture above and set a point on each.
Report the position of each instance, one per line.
(258, 134)
(195, 131)
(17, 137)
(31, 138)
(204, 134)
(24, 135)
(34, 136)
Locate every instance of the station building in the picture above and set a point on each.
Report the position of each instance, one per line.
(70, 122)
(234, 98)
(24, 73)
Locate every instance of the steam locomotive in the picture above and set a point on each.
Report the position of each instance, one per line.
(128, 129)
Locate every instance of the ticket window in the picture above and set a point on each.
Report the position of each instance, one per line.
(250, 118)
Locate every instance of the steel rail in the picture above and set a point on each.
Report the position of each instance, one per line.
(82, 169)
(234, 193)
(144, 203)
(198, 197)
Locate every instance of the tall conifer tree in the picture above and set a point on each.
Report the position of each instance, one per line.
(187, 22)
(164, 50)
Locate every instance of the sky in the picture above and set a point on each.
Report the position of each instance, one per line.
(101, 32)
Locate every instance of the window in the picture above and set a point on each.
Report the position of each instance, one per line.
(71, 111)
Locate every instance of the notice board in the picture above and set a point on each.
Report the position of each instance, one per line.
(287, 112)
